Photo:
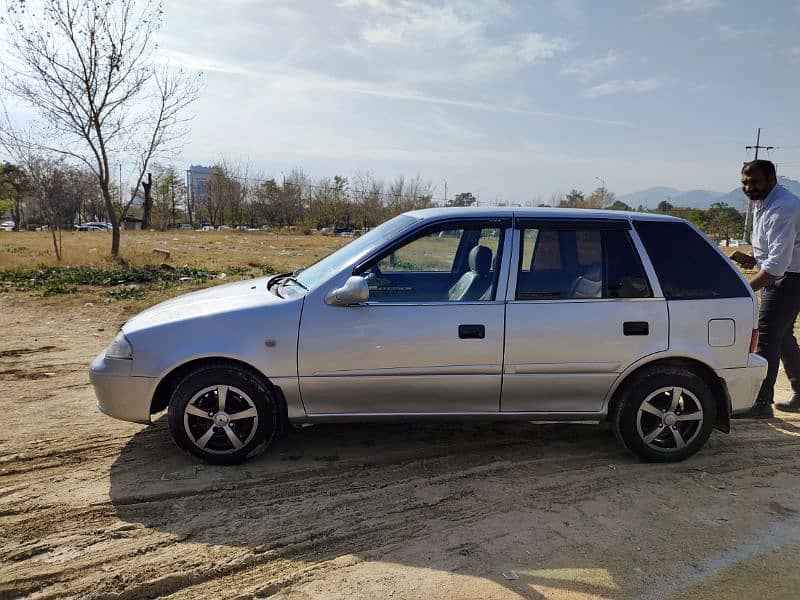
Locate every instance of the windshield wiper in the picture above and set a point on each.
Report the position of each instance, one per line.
(294, 280)
(278, 279)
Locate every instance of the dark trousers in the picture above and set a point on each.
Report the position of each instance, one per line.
(780, 304)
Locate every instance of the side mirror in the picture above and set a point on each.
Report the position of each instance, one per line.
(354, 291)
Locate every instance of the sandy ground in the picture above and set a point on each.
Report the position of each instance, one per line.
(91, 507)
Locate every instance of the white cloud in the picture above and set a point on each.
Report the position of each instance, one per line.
(571, 10)
(418, 23)
(690, 5)
(728, 32)
(454, 35)
(795, 52)
(533, 47)
(382, 34)
(197, 62)
(587, 68)
(619, 86)
(377, 5)
(300, 82)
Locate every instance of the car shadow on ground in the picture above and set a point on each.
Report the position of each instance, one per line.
(374, 490)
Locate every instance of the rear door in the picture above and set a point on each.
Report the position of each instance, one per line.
(711, 306)
(580, 310)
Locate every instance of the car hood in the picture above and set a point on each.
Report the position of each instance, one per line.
(204, 303)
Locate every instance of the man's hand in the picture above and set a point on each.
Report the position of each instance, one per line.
(762, 280)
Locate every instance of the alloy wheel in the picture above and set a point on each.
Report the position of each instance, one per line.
(220, 419)
(669, 419)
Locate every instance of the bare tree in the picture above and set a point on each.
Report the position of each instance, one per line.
(87, 70)
(54, 189)
(223, 193)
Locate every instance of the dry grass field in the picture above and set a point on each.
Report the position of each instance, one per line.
(92, 507)
(217, 250)
(225, 255)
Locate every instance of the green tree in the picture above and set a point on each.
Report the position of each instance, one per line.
(13, 189)
(462, 199)
(724, 222)
(619, 205)
(600, 198)
(574, 199)
(664, 206)
(169, 198)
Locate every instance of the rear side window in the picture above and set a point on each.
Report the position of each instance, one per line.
(566, 264)
(688, 267)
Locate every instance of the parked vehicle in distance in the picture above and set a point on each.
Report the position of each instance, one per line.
(737, 243)
(7, 225)
(186, 226)
(93, 226)
(490, 313)
(101, 225)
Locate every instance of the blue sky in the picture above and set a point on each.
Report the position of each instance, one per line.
(510, 100)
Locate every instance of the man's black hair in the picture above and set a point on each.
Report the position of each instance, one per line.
(767, 167)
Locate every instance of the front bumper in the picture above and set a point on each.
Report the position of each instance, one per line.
(118, 394)
(744, 383)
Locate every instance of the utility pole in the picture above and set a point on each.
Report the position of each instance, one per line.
(445, 192)
(748, 217)
(190, 196)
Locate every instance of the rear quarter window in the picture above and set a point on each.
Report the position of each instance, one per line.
(687, 265)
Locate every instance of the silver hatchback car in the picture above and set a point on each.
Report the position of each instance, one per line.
(534, 315)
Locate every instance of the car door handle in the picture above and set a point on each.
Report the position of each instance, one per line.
(636, 328)
(472, 332)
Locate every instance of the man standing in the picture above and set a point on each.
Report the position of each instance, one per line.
(776, 254)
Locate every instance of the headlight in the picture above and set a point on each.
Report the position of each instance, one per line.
(120, 348)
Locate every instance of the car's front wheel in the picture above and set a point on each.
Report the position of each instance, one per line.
(222, 414)
(664, 414)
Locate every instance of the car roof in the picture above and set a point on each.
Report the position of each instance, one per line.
(542, 212)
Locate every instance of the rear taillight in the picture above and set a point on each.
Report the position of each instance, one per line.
(754, 340)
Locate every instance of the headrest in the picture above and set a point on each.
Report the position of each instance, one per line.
(480, 260)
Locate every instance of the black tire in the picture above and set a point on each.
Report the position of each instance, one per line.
(649, 423)
(250, 414)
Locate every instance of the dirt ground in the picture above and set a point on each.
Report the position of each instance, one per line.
(92, 507)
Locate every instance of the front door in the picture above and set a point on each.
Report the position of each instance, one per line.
(580, 312)
(430, 338)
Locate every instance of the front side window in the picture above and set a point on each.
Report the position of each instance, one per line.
(570, 264)
(328, 266)
(434, 252)
(441, 264)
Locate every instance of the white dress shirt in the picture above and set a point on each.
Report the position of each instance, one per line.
(776, 232)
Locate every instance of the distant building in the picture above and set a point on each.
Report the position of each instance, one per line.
(198, 182)
(131, 223)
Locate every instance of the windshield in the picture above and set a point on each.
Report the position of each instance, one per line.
(333, 263)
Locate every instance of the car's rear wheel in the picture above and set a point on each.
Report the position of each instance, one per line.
(222, 414)
(664, 414)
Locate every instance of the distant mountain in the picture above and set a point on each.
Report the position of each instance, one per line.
(703, 199)
(650, 197)
(697, 199)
